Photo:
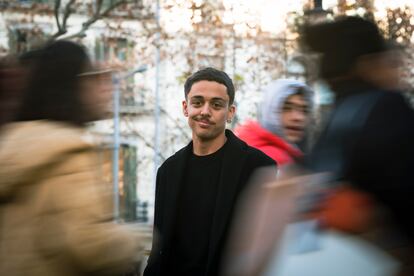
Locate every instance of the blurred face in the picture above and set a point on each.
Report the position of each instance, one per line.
(96, 94)
(388, 70)
(381, 69)
(207, 108)
(294, 117)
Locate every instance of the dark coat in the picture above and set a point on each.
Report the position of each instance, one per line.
(239, 162)
(369, 142)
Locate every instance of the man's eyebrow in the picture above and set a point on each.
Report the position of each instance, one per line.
(197, 97)
(292, 103)
(218, 99)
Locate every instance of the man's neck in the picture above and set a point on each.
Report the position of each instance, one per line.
(206, 147)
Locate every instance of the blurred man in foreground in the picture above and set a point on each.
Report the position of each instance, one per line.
(366, 146)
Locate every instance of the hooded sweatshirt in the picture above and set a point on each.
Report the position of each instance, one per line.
(55, 214)
(267, 134)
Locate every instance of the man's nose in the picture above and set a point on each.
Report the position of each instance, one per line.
(205, 110)
(298, 114)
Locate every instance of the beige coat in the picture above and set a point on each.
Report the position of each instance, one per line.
(55, 215)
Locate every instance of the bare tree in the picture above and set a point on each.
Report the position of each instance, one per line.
(98, 13)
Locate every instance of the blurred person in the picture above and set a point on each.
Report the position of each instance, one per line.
(366, 148)
(14, 72)
(12, 81)
(198, 186)
(368, 140)
(54, 208)
(283, 119)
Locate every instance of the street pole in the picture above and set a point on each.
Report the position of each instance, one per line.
(157, 86)
(115, 156)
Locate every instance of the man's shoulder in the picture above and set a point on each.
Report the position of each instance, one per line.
(254, 155)
(259, 156)
(170, 161)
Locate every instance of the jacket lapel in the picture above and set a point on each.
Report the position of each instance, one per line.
(231, 169)
(173, 182)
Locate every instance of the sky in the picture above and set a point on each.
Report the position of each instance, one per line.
(270, 14)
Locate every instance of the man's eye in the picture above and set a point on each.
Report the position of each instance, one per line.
(196, 103)
(290, 108)
(287, 108)
(217, 105)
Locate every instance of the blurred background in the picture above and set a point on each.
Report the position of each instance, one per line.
(155, 45)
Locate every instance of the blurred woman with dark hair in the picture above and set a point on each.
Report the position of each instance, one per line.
(55, 211)
(64, 86)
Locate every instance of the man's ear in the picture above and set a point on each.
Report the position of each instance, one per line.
(232, 113)
(185, 108)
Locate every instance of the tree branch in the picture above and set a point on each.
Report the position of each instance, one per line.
(114, 6)
(98, 7)
(175, 122)
(97, 15)
(146, 142)
(57, 7)
(62, 27)
(67, 13)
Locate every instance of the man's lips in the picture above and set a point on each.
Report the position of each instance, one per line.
(204, 123)
(294, 128)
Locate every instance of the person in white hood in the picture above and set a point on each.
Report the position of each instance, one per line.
(283, 119)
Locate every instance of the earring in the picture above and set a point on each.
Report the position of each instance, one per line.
(229, 121)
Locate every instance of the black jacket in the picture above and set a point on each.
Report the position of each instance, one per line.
(369, 142)
(239, 162)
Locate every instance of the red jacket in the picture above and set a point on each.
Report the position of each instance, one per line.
(272, 145)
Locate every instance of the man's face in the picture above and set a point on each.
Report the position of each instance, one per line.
(207, 108)
(294, 117)
(383, 69)
(387, 69)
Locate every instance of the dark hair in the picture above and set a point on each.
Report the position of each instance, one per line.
(210, 74)
(53, 90)
(11, 84)
(341, 42)
(301, 91)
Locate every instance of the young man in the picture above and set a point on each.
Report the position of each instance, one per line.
(284, 116)
(197, 188)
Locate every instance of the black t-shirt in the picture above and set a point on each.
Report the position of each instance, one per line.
(195, 214)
